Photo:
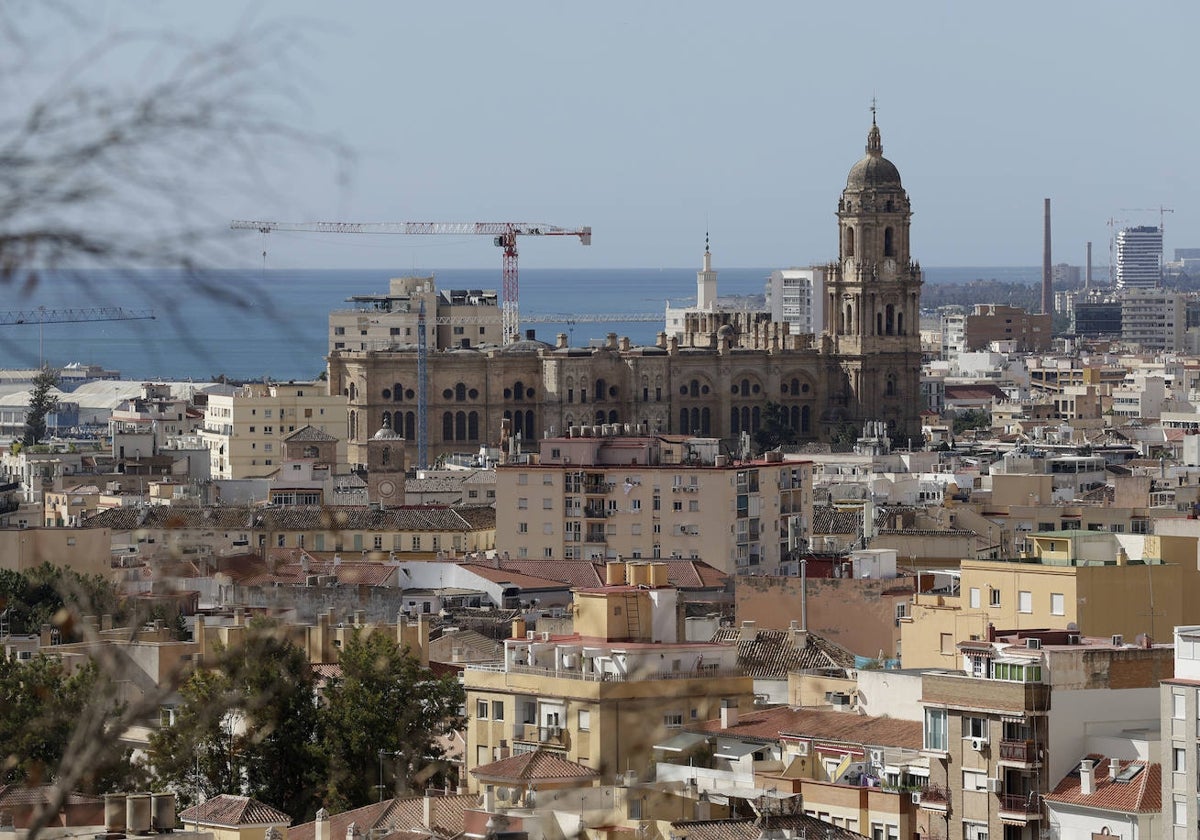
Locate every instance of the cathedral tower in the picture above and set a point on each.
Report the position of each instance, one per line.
(873, 296)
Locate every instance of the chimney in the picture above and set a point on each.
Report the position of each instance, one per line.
(729, 713)
(748, 632)
(427, 811)
(560, 341)
(1114, 768)
(352, 832)
(518, 628)
(1047, 268)
(1087, 276)
(1087, 778)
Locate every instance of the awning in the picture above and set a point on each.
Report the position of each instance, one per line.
(735, 750)
(682, 742)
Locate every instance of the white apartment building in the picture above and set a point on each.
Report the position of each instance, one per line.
(1139, 257)
(1141, 398)
(795, 295)
(1180, 713)
(1153, 320)
(244, 431)
(953, 334)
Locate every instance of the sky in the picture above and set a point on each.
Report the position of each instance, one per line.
(656, 122)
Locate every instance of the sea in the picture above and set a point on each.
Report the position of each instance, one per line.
(256, 324)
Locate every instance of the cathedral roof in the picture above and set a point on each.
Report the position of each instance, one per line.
(874, 170)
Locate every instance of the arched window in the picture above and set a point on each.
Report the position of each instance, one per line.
(889, 387)
(518, 391)
(460, 392)
(460, 425)
(600, 417)
(694, 388)
(529, 428)
(849, 242)
(353, 424)
(900, 322)
(878, 323)
(447, 426)
(890, 319)
(397, 392)
(745, 387)
(734, 417)
(353, 391)
(385, 457)
(600, 390)
(755, 419)
(473, 426)
(683, 421)
(805, 420)
(705, 421)
(694, 418)
(612, 416)
(410, 425)
(794, 417)
(746, 427)
(794, 389)
(848, 323)
(888, 249)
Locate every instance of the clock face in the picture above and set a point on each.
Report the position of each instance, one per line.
(387, 488)
(889, 264)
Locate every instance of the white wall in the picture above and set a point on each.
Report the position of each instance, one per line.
(1071, 712)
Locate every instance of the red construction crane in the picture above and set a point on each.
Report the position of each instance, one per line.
(504, 235)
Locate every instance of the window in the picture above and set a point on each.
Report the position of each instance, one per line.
(947, 644)
(994, 597)
(635, 808)
(585, 720)
(497, 710)
(974, 780)
(548, 478)
(416, 543)
(1024, 601)
(974, 831)
(1058, 604)
(522, 527)
(547, 504)
(693, 506)
(635, 504)
(522, 478)
(1180, 705)
(935, 729)
(522, 504)
(1179, 812)
(974, 596)
(974, 727)
(1179, 760)
(481, 709)
(673, 721)
(677, 506)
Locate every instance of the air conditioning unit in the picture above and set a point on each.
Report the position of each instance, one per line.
(876, 756)
(978, 744)
(504, 794)
(994, 785)
(802, 748)
(916, 797)
(1033, 644)
(1073, 639)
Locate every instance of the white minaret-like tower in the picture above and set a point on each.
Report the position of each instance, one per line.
(706, 281)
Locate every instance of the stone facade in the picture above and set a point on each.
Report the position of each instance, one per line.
(714, 381)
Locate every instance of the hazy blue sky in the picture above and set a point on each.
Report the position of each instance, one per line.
(650, 121)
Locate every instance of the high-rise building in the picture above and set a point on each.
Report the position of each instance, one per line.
(794, 295)
(1139, 257)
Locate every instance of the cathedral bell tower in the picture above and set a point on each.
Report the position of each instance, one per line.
(872, 305)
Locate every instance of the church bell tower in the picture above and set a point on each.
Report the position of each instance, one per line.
(872, 305)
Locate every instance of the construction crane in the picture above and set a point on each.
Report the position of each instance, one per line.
(41, 316)
(504, 235)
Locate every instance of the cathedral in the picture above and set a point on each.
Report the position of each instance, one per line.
(713, 379)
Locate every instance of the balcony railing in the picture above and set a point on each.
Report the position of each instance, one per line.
(595, 676)
(934, 796)
(1026, 806)
(1019, 752)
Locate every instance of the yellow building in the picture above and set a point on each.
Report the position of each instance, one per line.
(651, 496)
(605, 694)
(244, 431)
(1094, 582)
(231, 817)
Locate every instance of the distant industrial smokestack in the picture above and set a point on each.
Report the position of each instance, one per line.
(1047, 268)
(1087, 275)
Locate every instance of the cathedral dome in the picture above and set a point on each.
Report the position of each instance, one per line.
(874, 171)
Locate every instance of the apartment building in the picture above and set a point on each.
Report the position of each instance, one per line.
(1003, 728)
(245, 431)
(996, 322)
(794, 295)
(652, 496)
(604, 695)
(1180, 758)
(1153, 320)
(1094, 582)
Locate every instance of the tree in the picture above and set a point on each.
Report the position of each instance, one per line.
(247, 725)
(384, 706)
(776, 430)
(42, 403)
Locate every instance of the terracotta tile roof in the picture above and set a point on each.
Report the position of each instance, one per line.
(537, 766)
(353, 572)
(578, 573)
(796, 825)
(521, 580)
(1141, 795)
(472, 646)
(28, 796)
(298, 518)
(309, 434)
(771, 654)
(975, 391)
(397, 818)
(229, 810)
(770, 724)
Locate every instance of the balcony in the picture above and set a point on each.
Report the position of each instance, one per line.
(1023, 754)
(933, 798)
(963, 691)
(555, 736)
(1017, 806)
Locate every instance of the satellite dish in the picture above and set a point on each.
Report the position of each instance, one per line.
(1072, 627)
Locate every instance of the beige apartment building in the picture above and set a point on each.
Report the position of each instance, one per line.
(244, 432)
(604, 695)
(1087, 582)
(997, 322)
(651, 496)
